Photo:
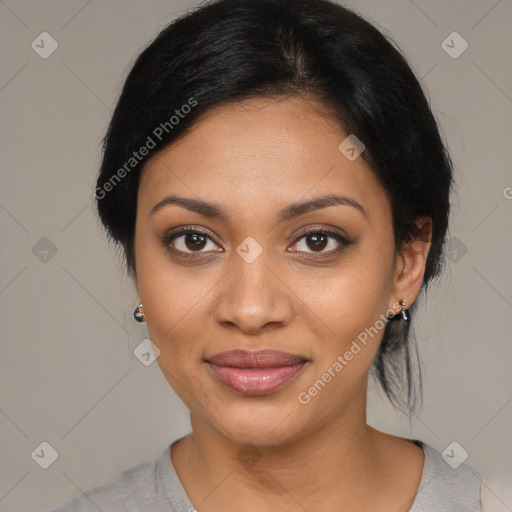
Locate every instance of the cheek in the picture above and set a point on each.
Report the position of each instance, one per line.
(345, 351)
(177, 312)
(351, 296)
(174, 302)
(171, 294)
(350, 305)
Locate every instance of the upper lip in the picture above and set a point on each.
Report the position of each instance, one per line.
(255, 359)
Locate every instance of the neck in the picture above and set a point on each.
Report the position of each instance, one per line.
(337, 462)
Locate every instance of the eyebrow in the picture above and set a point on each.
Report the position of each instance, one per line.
(291, 211)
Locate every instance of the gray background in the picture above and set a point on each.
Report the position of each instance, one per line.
(68, 373)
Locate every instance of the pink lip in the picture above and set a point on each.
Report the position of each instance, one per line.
(255, 373)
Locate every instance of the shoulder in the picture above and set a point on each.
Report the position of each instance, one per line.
(133, 489)
(447, 485)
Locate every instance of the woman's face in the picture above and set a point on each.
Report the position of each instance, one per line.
(251, 281)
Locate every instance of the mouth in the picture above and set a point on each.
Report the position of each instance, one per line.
(256, 373)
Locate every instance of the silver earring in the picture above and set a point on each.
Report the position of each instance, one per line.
(138, 314)
(402, 305)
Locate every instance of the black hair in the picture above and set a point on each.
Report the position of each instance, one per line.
(229, 50)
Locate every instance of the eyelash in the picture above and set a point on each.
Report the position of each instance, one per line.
(343, 241)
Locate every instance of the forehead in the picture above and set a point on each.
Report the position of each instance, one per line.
(261, 153)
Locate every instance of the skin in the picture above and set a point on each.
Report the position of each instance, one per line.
(254, 158)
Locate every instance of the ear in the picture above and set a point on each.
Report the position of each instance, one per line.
(410, 264)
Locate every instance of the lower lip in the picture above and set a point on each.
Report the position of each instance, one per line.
(256, 381)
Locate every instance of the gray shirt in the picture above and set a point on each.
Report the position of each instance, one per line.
(154, 486)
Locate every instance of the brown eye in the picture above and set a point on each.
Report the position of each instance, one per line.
(194, 241)
(321, 241)
(189, 241)
(317, 241)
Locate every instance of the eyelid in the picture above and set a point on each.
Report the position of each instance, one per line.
(342, 240)
(184, 230)
(325, 229)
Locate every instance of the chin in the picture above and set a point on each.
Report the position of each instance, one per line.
(259, 422)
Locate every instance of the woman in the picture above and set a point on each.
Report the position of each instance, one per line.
(277, 182)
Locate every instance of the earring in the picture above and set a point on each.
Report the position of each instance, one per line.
(402, 305)
(138, 314)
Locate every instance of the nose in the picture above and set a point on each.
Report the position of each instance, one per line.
(253, 298)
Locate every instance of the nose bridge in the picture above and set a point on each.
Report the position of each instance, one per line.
(252, 296)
